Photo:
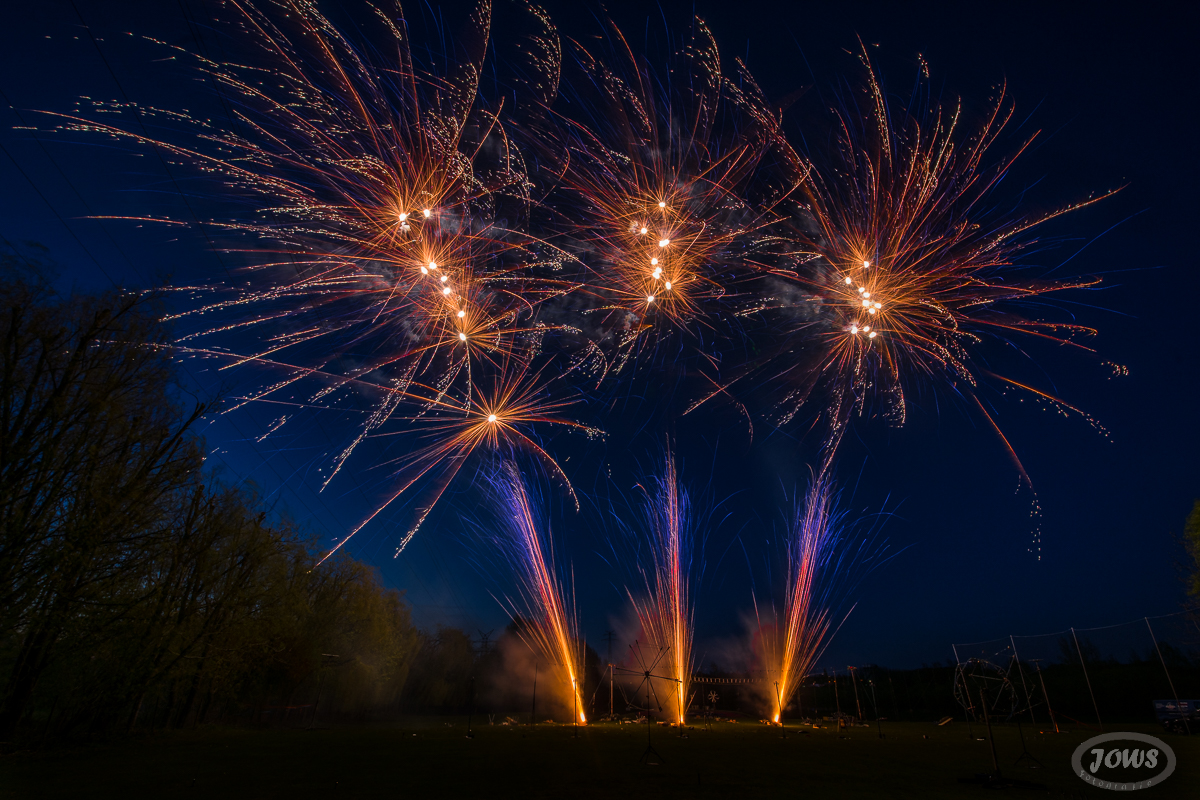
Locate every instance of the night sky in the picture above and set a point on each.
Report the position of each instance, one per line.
(1114, 97)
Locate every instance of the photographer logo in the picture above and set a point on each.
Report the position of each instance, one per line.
(1123, 761)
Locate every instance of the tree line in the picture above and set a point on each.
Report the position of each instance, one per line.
(138, 589)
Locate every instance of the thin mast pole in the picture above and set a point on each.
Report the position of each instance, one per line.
(1021, 672)
(533, 704)
(1170, 682)
(1086, 678)
(1042, 680)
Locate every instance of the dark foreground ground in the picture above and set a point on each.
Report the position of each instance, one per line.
(434, 759)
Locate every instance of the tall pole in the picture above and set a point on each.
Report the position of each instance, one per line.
(533, 704)
(779, 695)
(895, 701)
(471, 708)
(316, 705)
(610, 691)
(1021, 672)
(837, 699)
(969, 709)
(875, 702)
(988, 721)
(1170, 682)
(854, 683)
(1086, 678)
(1042, 680)
(970, 703)
(608, 637)
(647, 711)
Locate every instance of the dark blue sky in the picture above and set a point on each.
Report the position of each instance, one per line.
(1114, 97)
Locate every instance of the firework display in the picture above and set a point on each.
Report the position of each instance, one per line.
(818, 568)
(912, 273)
(665, 609)
(549, 623)
(466, 265)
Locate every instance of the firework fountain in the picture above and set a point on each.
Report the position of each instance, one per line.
(665, 611)
(551, 627)
(820, 568)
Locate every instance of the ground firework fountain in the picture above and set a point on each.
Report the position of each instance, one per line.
(823, 562)
(665, 611)
(551, 627)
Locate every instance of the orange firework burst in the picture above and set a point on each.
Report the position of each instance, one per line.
(389, 274)
(497, 419)
(655, 183)
(665, 612)
(551, 625)
(907, 267)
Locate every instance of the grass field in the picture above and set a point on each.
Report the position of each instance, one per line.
(434, 759)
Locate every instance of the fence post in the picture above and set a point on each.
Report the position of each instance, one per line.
(1089, 680)
(1021, 672)
(1186, 726)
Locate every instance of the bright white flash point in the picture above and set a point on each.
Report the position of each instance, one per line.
(668, 284)
(854, 329)
(849, 280)
(866, 265)
(872, 335)
(662, 204)
(663, 242)
(491, 417)
(433, 265)
(427, 213)
(462, 337)
(424, 271)
(445, 278)
(446, 290)
(649, 298)
(643, 230)
(461, 314)
(403, 216)
(653, 261)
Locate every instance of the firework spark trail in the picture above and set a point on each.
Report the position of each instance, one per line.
(792, 651)
(665, 611)
(552, 625)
